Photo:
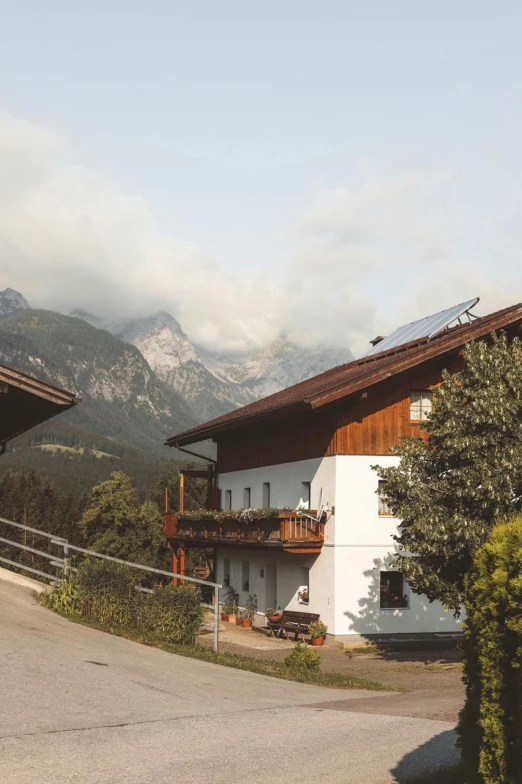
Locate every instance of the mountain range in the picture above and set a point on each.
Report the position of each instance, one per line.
(144, 380)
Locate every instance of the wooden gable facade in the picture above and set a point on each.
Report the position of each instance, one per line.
(367, 423)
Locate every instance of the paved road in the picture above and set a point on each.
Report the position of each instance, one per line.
(81, 706)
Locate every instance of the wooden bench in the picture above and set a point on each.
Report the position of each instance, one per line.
(296, 622)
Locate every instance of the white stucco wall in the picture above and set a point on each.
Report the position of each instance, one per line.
(344, 579)
(290, 576)
(285, 484)
(363, 548)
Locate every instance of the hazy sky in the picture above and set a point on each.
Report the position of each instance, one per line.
(326, 168)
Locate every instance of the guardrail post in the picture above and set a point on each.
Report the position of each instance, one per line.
(216, 618)
(66, 560)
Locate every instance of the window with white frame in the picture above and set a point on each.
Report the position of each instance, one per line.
(228, 500)
(247, 496)
(266, 495)
(421, 405)
(393, 591)
(384, 509)
(306, 492)
(245, 576)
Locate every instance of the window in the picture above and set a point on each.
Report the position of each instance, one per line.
(303, 592)
(421, 405)
(226, 572)
(306, 491)
(266, 495)
(246, 498)
(245, 576)
(228, 500)
(384, 509)
(392, 591)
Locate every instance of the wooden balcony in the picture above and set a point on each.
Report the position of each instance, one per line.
(289, 532)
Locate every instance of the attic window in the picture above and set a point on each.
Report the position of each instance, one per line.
(421, 405)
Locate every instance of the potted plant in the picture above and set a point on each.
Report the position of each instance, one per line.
(247, 615)
(272, 614)
(317, 631)
(230, 600)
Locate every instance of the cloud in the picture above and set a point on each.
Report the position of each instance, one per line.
(361, 260)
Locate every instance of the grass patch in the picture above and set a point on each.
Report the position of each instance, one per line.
(274, 669)
(59, 448)
(443, 776)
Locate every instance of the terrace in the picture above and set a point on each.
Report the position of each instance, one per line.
(267, 529)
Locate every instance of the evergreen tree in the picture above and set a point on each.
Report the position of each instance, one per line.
(115, 524)
(450, 490)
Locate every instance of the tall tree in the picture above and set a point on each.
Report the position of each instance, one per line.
(115, 524)
(450, 491)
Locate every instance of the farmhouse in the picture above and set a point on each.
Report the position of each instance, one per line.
(26, 402)
(305, 454)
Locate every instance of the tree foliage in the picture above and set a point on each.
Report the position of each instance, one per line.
(490, 727)
(116, 524)
(450, 491)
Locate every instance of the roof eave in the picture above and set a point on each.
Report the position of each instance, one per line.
(183, 439)
(41, 389)
(420, 355)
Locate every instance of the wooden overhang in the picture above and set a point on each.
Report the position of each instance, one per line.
(26, 402)
(354, 377)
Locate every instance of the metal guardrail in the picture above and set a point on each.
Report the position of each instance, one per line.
(65, 566)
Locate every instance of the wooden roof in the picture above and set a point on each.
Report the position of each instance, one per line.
(26, 402)
(353, 377)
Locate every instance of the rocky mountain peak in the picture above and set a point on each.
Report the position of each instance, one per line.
(12, 301)
(161, 340)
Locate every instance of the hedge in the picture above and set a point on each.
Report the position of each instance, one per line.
(490, 725)
(106, 592)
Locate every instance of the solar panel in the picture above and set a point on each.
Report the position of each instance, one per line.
(426, 327)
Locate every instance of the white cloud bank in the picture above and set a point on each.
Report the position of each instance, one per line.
(362, 260)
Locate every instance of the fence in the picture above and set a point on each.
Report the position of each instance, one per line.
(63, 563)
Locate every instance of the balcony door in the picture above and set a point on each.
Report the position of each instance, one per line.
(271, 585)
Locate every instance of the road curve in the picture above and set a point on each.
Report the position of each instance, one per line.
(81, 706)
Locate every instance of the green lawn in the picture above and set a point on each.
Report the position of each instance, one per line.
(53, 448)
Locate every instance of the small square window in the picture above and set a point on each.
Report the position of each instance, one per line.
(228, 500)
(421, 405)
(384, 509)
(392, 591)
(247, 498)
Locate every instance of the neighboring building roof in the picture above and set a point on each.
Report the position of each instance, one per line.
(26, 402)
(352, 377)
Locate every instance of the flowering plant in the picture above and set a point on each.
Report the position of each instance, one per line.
(317, 629)
(240, 515)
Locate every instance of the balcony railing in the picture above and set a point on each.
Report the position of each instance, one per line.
(285, 530)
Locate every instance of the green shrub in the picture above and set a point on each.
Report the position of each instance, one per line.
(64, 598)
(490, 725)
(172, 613)
(303, 658)
(108, 591)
